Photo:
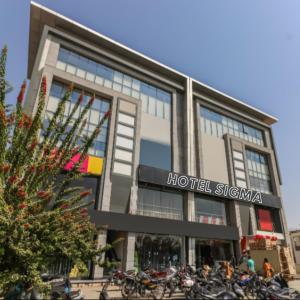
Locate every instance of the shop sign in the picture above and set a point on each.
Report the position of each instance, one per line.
(213, 188)
(149, 175)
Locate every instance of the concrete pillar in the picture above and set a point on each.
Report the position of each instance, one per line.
(129, 251)
(253, 219)
(190, 207)
(101, 242)
(191, 252)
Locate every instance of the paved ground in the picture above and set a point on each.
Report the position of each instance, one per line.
(114, 293)
(295, 284)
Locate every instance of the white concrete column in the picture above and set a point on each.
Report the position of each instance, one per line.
(101, 242)
(192, 251)
(190, 207)
(253, 219)
(129, 251)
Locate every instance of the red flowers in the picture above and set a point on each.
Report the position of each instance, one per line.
(22, 93)
(44, 85)
(21, 193)
(64, 206)
(43, 194)
(80, 99)
(22, 206)
(85, 193)
(107, 114)
(5, 168)
(83, 211)
(12, 179)
(26, 226)
(91, 101)
(32, 146)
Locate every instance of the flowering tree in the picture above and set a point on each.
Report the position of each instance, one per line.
(41, 220)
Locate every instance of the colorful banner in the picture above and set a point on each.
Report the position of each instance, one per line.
(91, 165)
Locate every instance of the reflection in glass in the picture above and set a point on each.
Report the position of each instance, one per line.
(157, 251)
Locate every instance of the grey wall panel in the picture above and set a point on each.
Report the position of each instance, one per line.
(245, 218)
(120, 193)
(135, 223)
(214, 159)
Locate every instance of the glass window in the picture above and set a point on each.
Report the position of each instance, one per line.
(151, 108)
(217, 124)
(125, 130)
(155, 154)
(87, 183)
(93, 116)
(210, 211)
(126, 119)
(258, 172)
(123, 155)
(160, 204)
(124, 142)
(264, 219)
(160, 109)
(159, 103)
(157, 251)
(122, 168)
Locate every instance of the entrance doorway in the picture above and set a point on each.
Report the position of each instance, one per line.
(157, 251)
(211, 252)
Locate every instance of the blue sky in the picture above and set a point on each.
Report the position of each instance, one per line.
(247, 49)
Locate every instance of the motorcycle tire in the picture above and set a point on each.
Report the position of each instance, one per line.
(158, 292)
(127, 290)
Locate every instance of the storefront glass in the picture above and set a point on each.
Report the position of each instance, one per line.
(160, 204)
(212, 251)
(210, 211)
(157, 251)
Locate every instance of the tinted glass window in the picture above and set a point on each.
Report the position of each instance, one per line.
(210, 211)
(155, 154)
(160, 204)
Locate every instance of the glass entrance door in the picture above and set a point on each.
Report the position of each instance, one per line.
(157, 251)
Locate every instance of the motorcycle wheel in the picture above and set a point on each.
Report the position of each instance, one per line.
(127, 290)
(158, 292)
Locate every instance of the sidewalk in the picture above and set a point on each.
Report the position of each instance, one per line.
(114, 293)
(295, 284)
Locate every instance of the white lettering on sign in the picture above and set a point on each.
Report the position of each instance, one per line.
(219, 189)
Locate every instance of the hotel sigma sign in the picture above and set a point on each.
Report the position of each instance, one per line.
(158, 177)
(213, 188)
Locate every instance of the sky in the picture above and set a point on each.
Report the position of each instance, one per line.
(248, 49)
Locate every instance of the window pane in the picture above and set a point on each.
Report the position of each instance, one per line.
(210, 211)
(149, 157)
(122, 168)
(159, 109)
(125, 130)
(123, 155)
(151, 108)
(126, 119)
(124, 142)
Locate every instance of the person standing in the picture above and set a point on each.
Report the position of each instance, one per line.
(250, 265)
(268, 269)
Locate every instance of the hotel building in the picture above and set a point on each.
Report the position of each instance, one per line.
(181, 172)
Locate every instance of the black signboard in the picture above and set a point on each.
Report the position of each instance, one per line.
(204, 186)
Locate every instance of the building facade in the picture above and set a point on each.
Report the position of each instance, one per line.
(295, 242)
(181, 172)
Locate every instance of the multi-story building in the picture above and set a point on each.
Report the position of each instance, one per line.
(295, 242)
(182, 172)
